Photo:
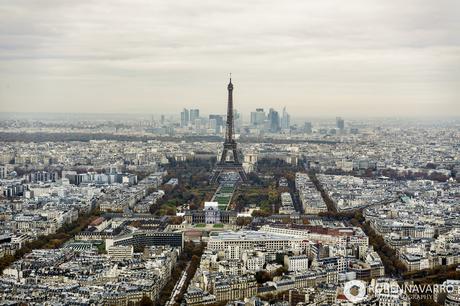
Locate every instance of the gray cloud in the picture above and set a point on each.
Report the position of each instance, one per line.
(364, 57)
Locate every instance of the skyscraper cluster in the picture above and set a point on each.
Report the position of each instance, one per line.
(271, 122)
(189, 117)
(260, 120)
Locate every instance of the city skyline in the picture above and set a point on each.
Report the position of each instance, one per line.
(364, 59)
(187, 153)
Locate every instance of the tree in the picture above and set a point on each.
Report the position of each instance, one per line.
(243, 221)
(280, 271)
(260, 213)
(263, 277)
(145, 301)
(175, 220)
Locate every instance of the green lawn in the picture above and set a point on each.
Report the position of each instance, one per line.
(222, 199)
(218, 225)
(224, 196)
(226, 190)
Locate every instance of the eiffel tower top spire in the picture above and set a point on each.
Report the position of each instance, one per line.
(229, 131)
(230, 84)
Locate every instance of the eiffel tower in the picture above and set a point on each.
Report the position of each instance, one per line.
(227, 163)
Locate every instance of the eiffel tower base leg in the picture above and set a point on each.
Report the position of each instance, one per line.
(215, 176)
(221, 169)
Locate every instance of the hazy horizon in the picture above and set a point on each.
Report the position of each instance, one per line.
(319, 59)
(299, 119)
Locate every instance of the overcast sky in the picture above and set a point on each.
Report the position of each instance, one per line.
(334, 58)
